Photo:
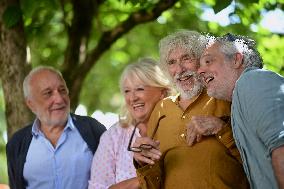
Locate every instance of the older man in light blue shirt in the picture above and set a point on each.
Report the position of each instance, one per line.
(55, 152)
(67, 165)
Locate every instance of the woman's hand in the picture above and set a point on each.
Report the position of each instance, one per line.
(147, 155)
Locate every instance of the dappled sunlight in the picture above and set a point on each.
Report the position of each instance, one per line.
(107, 119)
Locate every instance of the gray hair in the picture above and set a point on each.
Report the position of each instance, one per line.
(231, 44)
(27, 80)
(149, 73)
(191, 41)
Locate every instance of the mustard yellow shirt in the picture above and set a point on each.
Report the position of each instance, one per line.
(211, 163)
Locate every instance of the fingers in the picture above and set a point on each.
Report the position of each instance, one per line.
(207, 125)
(142, 159)
(147, 155)
(198, 138)
(202, 126)
(146, 140)
(191, 134)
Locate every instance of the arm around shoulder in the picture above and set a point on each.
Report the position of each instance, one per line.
(278, 165)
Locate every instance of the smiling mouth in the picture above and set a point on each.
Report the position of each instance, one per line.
(184, 78)
(136, 106)
(59, 108)
(208, 79)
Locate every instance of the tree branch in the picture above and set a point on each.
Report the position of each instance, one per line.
(109, 37)
(78, 75)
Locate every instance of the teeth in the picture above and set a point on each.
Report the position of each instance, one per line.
(137, 105)
(184, 78)
(58, 108)
(208, 79)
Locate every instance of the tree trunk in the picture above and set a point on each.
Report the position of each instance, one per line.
(13, 68)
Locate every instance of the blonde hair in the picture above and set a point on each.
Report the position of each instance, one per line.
(147, 71)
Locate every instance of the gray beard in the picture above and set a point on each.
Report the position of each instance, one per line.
(221, 95)
(189, 94)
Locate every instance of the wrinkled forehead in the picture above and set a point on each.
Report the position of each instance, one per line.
(211, 49)
(46, 74)
(46, 78)
(178, 51)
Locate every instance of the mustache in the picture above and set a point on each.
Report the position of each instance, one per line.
(178, 76)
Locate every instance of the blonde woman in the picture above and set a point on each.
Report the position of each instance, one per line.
(142, 85)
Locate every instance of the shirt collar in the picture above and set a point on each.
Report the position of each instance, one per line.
(176, 98)
(36, 131)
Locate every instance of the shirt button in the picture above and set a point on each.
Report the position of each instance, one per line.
(219, 137)
(183, 117)
(157, 178)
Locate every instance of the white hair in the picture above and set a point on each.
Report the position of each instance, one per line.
(191, 41)
(27, 80)
(231, 44)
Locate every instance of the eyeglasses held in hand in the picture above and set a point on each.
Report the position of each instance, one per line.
(142, 146)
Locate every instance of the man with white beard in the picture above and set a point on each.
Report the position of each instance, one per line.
(168, 158)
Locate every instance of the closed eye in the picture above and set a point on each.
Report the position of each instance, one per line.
(63, 91)
(186, 57)
(170, 62)
(126, 91)
(47, 94)
(140, 89)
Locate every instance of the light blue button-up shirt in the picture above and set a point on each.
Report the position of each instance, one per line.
(66, 166)
(258, 123)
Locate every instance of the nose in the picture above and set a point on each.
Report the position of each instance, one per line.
(58, 97)
(180, 67)
(133, 96)
(201, 71)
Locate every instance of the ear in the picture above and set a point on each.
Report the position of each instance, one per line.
(238, 60)
(29, 103)
(164, 94)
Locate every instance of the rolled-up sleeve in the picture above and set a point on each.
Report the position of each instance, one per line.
(268, 104)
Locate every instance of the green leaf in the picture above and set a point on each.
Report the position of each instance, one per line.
(247, 3)
(12, 16)
(28, 6)
(220, 5)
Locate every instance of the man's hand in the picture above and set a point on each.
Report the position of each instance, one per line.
(148, 156)
(203, 126)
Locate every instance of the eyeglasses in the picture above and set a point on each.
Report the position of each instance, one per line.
(142, 146)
